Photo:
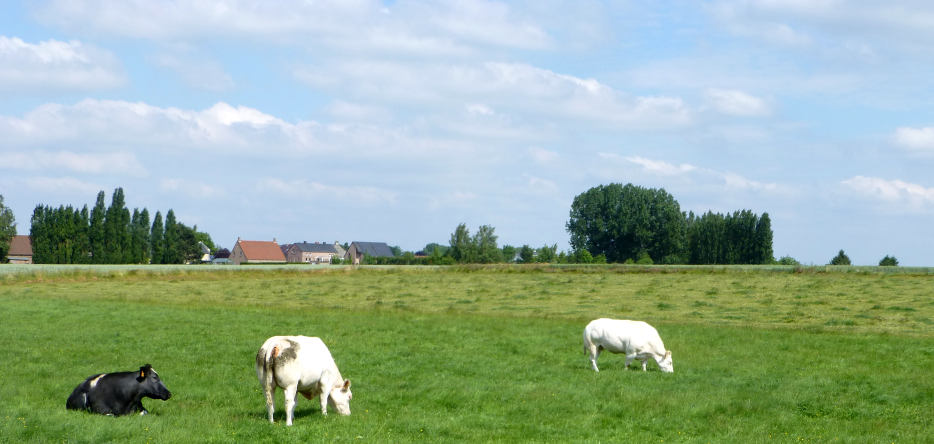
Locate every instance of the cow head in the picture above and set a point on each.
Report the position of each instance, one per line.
(340, 398)
(151, 385)
(666, 365)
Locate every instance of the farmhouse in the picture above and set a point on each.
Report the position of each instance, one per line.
(20, 250)
(359, 249)
(256, 252)
(316, 253)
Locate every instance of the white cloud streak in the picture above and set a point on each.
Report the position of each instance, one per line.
(119, 163)
(920, 139)
(55, 66)
(891, 190)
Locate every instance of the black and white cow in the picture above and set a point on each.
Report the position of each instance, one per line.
(118, 394)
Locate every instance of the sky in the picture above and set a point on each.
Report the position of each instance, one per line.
(395, 121)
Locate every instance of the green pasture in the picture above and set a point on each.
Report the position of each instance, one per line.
(479, 354)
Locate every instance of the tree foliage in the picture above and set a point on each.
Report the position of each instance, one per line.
(7, 230)
(107, 235)
(888, 261)
(632, 224)
(840, 259)
(622, 222)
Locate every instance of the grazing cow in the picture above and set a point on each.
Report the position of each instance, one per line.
(300, 364)
(636, 339)
(117, 394)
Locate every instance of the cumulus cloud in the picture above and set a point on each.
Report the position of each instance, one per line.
(118, 163)
(191, 188)
(116, 122)
(891, 190)
(906, 25)
(62, 185)
(315, 190)
(653, 166)
(197, 73)
(921, 139)
(541, 155)
(350, 25)
(736, 103)
(515, 86)
(660, 167)
(53, 67)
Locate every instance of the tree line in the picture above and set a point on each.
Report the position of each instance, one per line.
(112, 235)
(629, 223)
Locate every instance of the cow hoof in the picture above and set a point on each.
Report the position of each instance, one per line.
(143, 413)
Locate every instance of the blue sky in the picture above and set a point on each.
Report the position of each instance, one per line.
(396, 121)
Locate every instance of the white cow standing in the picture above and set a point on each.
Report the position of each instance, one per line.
(636, 339)
(301, 364)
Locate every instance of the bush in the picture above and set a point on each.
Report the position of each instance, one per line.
(787, 260)
(644, 259)
(888, 261)
(840, 259)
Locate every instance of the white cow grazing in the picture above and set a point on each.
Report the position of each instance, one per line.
(636, 339)
(300, 364)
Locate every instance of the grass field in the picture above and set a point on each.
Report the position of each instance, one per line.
(479, 355)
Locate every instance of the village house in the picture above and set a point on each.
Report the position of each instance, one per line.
(311, 253)
(255, 252)
(357, 251)
(20, 250)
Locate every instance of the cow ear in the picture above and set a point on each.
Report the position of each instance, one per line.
(346, 385)
(142, 374)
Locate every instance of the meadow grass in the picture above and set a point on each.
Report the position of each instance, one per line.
(479, 355)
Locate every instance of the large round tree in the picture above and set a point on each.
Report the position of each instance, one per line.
(624, 221)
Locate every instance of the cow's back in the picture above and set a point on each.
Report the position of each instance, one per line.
(624, 336)
(300, 360)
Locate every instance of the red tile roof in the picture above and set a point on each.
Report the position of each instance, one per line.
(261, 251)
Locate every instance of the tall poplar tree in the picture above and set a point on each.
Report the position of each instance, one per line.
(171, 255)
(157, 238)
(96, 233)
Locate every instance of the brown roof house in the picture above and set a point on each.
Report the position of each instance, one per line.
(20, 250)
(255, 252)
(316, 253)
(375, 249)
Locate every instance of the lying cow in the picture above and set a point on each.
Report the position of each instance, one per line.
(117, 394)
(300, 364)
(638, 340)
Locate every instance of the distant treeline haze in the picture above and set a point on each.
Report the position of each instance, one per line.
(111, 235)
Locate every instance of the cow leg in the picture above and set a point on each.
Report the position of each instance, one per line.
(270, 392)
(629, 359)
(594, 354)
(643, 363)
(291, 393)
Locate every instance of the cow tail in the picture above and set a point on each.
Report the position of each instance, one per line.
(269, 365)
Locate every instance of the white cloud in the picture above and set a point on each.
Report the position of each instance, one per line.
(62, 185)
(480, 109)
(921, 139)
(118, 163)
(906, 25)
(115, 122)
(357, 112)
(357, 25)
(541, 155)
(316, 190)
(53, 67)
(197, 73)
(734, 180)
(191, 188)
(891, 190)
(514, 86)
(657, 166)
(736, 102)
(540, 184)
